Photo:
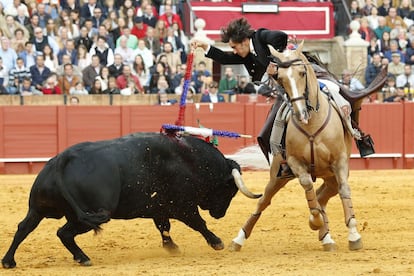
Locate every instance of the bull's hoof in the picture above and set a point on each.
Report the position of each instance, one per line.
(329, 247)
(218, 246)
(315, 219)
(8, 264)
(171, 247)
(86, 263)
(355, 245)
(234, 247)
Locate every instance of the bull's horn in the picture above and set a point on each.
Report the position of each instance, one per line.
(240, 184)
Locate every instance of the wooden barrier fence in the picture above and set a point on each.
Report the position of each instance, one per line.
(31, 134)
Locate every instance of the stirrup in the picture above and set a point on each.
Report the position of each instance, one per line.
(285, 171)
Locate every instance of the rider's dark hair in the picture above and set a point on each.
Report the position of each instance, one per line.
(237, 31)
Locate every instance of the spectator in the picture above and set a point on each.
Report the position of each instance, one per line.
(384, 43)
(355, 10)
(83, 57)
(146, 54)
(163, 99)
(149, 17)
(84, 39)
(366, 32)
(132, 40)
(130, 89)
(70, 50)
(122, 49)
(88, 8)
(155, 76)
(91, 72)
(176, 44)
(244, 86)
(71, 5)
(212, 95)
(4, 76)
(163, 85)
(382, 27)
(160, 30)
(392, 18)
(28, 55)
(105, 54)
(50, 86)
(72, 29)
(373, 48)
(104, 78)
(34, 22)
(111, 24)
(16, 76)
(22, 16)
(406, 79)
(410, 33)
(18, 41)
(97, 17)
(173, 58)
(77, 71)
(373, 18)
(51, 60)
(27, 89)
(350, 82)
(179, 33)
(39, 72)
(140, 28)
(7, 54)
(405, 11)
(41, 40)
(11, 26)
(228, 83)
(108, 7)
(199, 75)
(409, 53)
(129, 18)
(78, 89)
(152, 43)
(178, 77)
(43, 15)
(169, 17)
(383, 10)
(399, 96)
(68, 80)
(367, 8)
(14, 6)
(51, 29)
(139, 69)
(394, 49)
(112, 87)
(116, 68)
(373, 68)
(102, 31)
(162, 58)
(123, 80)
(396, 67)
(92, 31)
(96, 87)
(74, 100)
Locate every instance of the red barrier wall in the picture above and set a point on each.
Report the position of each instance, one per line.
(43, 131)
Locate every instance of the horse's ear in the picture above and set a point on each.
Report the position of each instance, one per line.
(300, 47)
(274, 52)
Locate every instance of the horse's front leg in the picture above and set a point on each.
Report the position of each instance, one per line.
(305, 180)
(273, 186)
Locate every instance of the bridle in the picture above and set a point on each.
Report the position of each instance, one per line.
(305, 95)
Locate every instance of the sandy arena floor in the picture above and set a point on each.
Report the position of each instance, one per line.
(281, 244)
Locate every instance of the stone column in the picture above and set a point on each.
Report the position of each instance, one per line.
(356, 50)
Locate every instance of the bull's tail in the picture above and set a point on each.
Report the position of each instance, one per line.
(91, 219)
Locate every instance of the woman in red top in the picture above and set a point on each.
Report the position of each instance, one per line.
(50, 86)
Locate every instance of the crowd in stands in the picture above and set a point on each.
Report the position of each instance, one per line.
(79, 47)
(389, 29)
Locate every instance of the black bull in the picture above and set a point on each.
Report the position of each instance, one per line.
(145, 175)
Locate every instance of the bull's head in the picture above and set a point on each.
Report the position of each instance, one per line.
(219, 199)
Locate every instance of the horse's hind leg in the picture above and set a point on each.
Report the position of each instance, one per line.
(274, 185)
(354, 238)
(25, 227)
(326, 191)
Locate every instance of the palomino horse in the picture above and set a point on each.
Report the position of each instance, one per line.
(317, 146)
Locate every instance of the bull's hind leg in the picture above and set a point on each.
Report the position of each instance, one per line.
(26, 226)
(326, 191)
(354, 238)
(163, 225)
(67, 235)
(273, 186)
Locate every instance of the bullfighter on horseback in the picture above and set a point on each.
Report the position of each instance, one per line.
(250, 48)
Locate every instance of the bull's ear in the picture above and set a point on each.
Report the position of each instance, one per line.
(300, 47)
(274, 52)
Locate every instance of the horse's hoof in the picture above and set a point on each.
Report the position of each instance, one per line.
(315, 219)
(355, 245)
(329, 247)
(234, 247)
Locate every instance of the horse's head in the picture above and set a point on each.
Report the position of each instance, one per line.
(292, 74)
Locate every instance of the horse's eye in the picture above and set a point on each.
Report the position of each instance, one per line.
(302, 74)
